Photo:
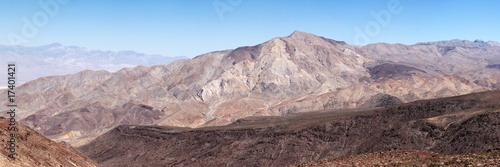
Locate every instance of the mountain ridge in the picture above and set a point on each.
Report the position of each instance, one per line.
(57, 59)
(453, 125)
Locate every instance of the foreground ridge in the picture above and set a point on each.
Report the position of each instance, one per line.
(33, 149)
(454, 125)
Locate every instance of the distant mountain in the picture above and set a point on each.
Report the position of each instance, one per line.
(56, 59)
(33, 149)
(298, 73)
(462, 43)
(454, 125)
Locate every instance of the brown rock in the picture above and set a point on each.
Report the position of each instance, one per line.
(33, 149)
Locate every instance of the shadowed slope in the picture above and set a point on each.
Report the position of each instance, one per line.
(462, 124)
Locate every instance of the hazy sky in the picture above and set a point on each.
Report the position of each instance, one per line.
(189, 28)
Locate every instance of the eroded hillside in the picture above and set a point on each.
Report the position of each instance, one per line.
(455, 125)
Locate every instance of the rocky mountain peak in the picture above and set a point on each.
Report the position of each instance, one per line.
(52, 45)
(301, 35)
(478, 41)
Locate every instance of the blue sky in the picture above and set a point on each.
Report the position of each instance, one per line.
(189, 28)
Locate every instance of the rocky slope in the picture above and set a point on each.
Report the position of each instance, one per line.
(90, 120)
(455, 125)
(411, 158)
(33, 149)
(298, 73)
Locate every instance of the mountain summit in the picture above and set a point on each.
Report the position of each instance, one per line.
(301, 35)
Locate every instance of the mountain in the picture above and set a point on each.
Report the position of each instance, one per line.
(57, 59)
(33, 149)
(298, 73)
(462, 43)
(454, 125)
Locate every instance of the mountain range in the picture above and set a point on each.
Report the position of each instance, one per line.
(285, 75)
(57, 59)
